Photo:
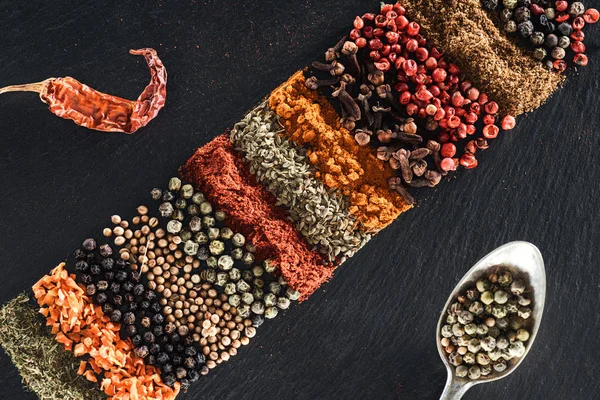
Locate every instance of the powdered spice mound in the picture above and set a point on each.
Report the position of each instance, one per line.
(464, 31)
(219, 171)
(342, 164)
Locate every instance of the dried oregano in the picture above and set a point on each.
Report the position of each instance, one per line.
(320, 214)
(46, 367)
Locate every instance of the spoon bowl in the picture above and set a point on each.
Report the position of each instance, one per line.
(522, 259)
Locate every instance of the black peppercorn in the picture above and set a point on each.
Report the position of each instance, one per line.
(169, 380)
(85, 279)
(184, 385)
(174, 338)
(490, 4)
(109, 276)
(181, 373)
(188, 341)
(131, 304)
(162, 358)
(167, 196)
(164, 340)
(524, 3)
(115, 287)
(102, 285)
(136, 340)
(107, 308)
(121, 276)
(158, 318)
(79, 254)
(189, 363)
(149, 337)
(522, 14)
(101, 298)
(155, 348)
(129, 318)
(200, 359)
(169, 347)
(150, 295)
(257, 320)
(136, 276)
(105, 250)
(82, 266)
(179, 348)
(115, 316)
(138, 289)
(127, 286)
(525, 28)
(177, 360)
(144, 305)
(565, 29)
(190, 351)
(551, 40)
(89, 244)
(121, 263)
(141, 352)
(95, 269)
(546, 25)
(90, 257)
(90, 290)
(157, 330)
(131, 330)
(167, 368)
(117, 300)
(156, 307)
(151, 360)
(108, 264)
(193, 376)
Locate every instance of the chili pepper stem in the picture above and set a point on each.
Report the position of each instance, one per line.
(27, 87)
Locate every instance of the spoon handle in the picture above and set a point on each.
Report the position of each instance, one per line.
(454, 390)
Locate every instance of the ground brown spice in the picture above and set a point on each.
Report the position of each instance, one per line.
(219, 171)
(465, 32)
(342, 164)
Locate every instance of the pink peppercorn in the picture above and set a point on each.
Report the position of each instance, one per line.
(468, 161)
(359, 23)
(562, 17)
(591, 16)
(473, 94)
(361, 42)
(439, 75)
(448, 164)
(580, 59)
(490, 131)
(488, 119)
(578, 23)
(448, 150)
(578, 36)
(561, 5)
(508, 122)
(578, 47)
(491, 107)
(413, 29)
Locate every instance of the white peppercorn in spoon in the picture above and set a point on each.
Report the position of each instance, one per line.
(521, 258)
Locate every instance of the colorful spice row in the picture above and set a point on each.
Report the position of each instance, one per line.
(552, 28)
(320, 214)
(309, 119)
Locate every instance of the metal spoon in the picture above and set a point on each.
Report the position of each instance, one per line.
(521, 258)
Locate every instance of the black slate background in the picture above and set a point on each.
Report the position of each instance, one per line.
(369, 333)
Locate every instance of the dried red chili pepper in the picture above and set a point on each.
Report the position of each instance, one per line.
(70, 99)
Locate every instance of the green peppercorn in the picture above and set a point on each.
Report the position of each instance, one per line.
(156, 194)
(247, 275)
(482, 329)
(524, 312)
(510, 26)
(501, 342)
(522, 14)
(476, 308)
(275, 288)
(494, 332)
(237, 253)
(205, 208)
(501, 297)
(187, 191)
(220, 215)
(225, 263)
(469, 358)
(247, 298)
(185, 235)
(174, 184)
(516, 349)
(550, 13)
(226, 233)
(537, 38)
(180, 203)
(193, 210)
(269, 266)
(283, 303)
(474, 372)
(201, 238)
(258, 307)
(270, 300)
(259, 283)
(248, 258)
(523, 335)
(474, 346)
(235, 274)
(524, 300)
(451, 319)
(244, 310)
(506, 15)
(461, 371)
(488, 343)
(238, 240)
(213, 233)
(229, 288)
(500, 366)
(166, 210)
(458, 330)
(510, 4)
(190, 248)
(174, 226)
(208, 221)
(292, 294)
(216, 247)
(470, 329)
(482, 359)
(483, 285)
(198, 198)
(243, 286)
(212, 262)
(234, 300)
(455, 359)
(495, 354)
(258, 293)
(222, 279)
(271, 312)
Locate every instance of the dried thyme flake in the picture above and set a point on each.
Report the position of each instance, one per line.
(46, 367)
(321, 215)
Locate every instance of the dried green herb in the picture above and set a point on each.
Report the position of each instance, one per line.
(46, 367)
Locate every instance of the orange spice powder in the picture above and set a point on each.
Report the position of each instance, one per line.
(81, 326)
(342, 164)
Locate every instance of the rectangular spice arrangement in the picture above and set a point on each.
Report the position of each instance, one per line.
(262, 216)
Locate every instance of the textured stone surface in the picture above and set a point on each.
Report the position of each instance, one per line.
(369, 333)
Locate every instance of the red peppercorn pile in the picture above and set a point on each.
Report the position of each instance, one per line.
(551, 28)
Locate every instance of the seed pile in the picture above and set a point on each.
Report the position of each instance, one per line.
(464, 32)
(551, 28)
(221, 174)
(320, 214)
(213, 287)
(53, 375)
(487, 326)
(126, 299)
(342, 164)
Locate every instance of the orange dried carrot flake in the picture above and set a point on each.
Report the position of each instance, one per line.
(81, 326)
